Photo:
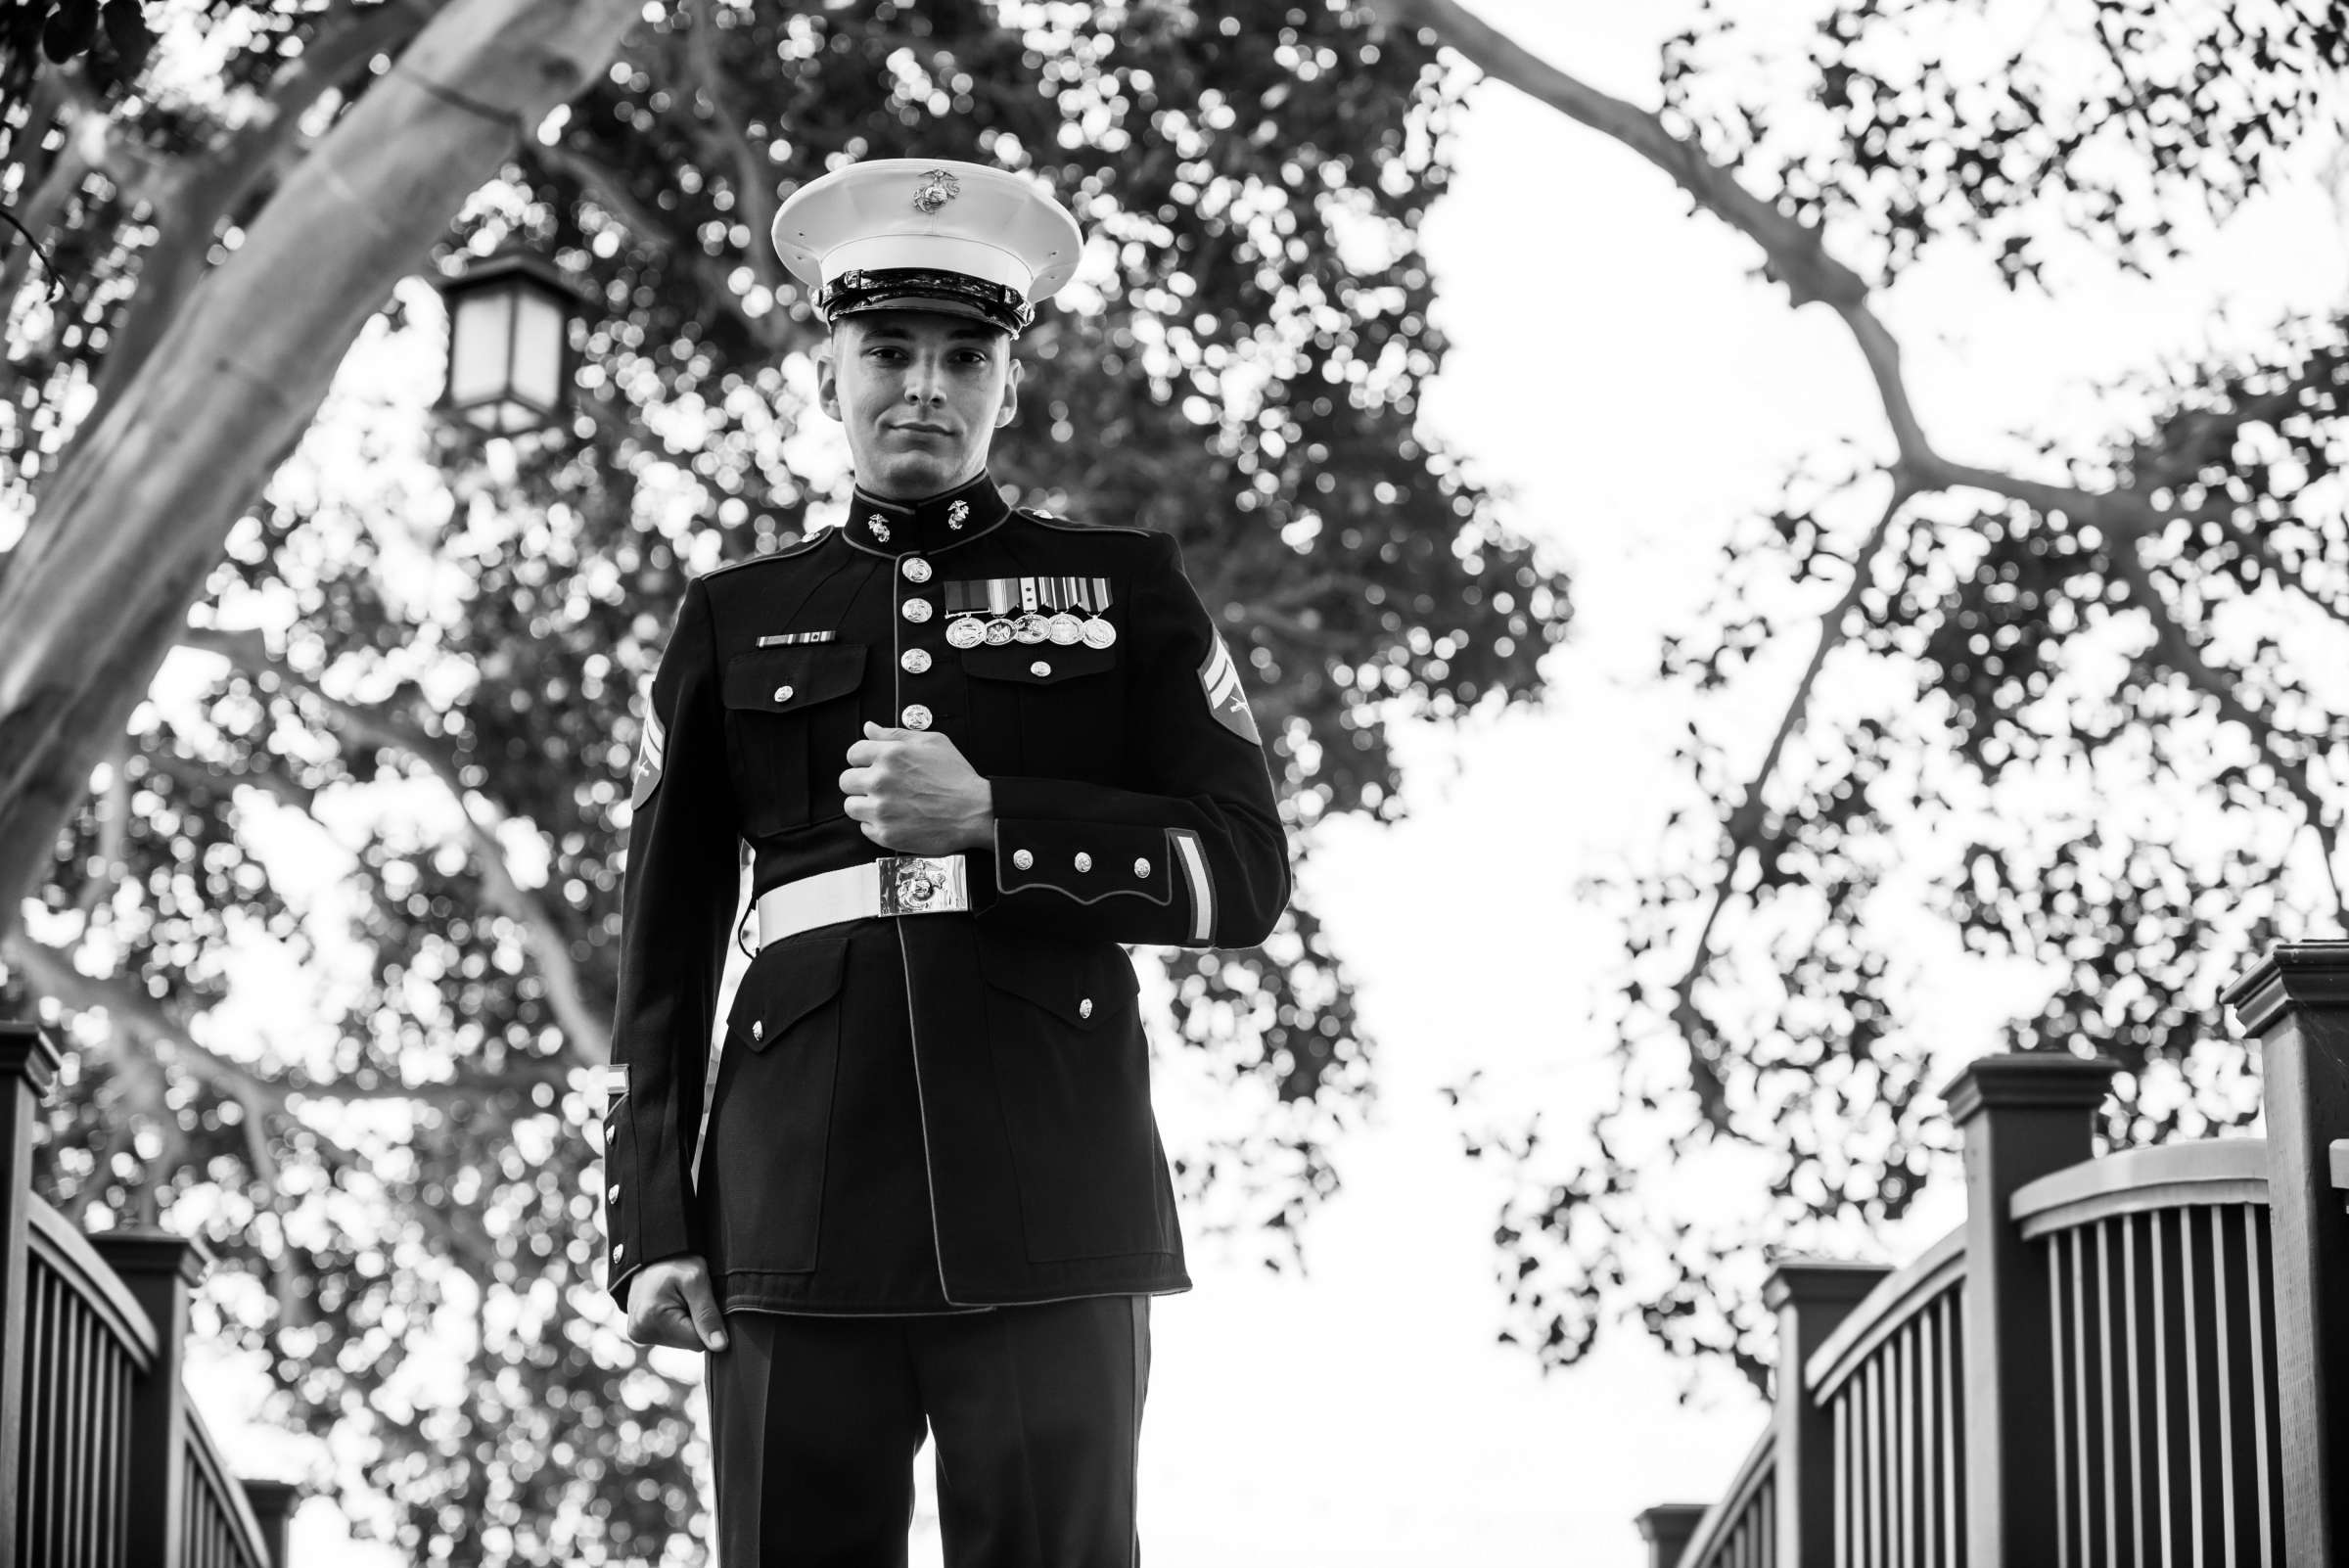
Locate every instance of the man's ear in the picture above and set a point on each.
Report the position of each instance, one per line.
(1011, 396)
(827, 377)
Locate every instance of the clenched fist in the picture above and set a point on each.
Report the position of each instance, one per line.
(912, 792)
(670, 1303)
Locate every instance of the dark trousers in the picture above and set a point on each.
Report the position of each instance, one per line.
(1036, 1412)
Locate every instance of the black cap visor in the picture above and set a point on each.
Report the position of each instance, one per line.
(952, 294)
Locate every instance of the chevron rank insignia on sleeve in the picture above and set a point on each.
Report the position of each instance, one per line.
(648, 761)
(1220, 678)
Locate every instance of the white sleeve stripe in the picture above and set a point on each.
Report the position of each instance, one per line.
(1203, 891)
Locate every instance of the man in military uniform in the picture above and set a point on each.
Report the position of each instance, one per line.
(971, 751)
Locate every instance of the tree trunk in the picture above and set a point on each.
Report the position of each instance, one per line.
(130, 525)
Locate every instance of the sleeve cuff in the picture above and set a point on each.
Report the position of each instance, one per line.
(1085, 862)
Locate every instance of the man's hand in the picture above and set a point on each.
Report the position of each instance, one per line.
(671, 1303)
(912, 792)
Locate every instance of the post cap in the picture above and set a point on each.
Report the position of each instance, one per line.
(147, 1251)
(1666, 1520)
(2307, 974)
(28, 1051)
(1819, 1283)
(2029, 1080)
(269, 1496)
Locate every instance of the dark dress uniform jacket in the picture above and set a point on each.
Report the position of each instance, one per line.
(932, 1111)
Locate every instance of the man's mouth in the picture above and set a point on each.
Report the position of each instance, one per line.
(922, 430)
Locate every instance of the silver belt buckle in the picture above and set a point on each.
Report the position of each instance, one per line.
(917, 884)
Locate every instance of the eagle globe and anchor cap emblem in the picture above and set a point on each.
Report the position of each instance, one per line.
(939, 187)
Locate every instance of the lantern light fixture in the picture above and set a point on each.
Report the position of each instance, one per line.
(509, 344)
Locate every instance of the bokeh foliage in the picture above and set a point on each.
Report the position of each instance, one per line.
(425, 672)
(2085, 744)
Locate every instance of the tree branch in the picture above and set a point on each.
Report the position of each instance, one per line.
(607, 189)
(1797, 254)
(87, 130)
(2176, 648)
(114, 827)
(754, 179)
(543, 932)
(1798, 257)
(207, 189)
(1743, 830)
(132, 1011)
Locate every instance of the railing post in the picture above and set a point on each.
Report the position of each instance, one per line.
(1810, 1297)
(272, 1503)
(1666, 1528)
(160, 1270)
(28, 1063)
(2023, 1115)
(2296, 1002)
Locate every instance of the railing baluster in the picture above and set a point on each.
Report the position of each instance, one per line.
(1880, 1382)
(2164, 1395)
(73, 1431)
(1888, 1455)
(2061, 1417)
(1953, 1418)
(2088, 1314)
(1844, 1460)
(2255, 1244)
(1928, 1422)
(2133, 1359)
(2075, 1483)
(2191, 1320)
(1901, 1416)
(1858, 1388)
(1865, 1397)
(2223, 1384)
(109, 1437)
(2104, 1357)
(40, 1376)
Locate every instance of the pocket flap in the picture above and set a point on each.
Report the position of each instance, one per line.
(1037, 664)
(784, 680)
(1084, 983)
(784, 983)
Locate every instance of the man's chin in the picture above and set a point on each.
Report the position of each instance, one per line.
(909, 475)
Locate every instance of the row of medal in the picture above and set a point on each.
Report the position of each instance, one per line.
(1063, 628)
(996, 611)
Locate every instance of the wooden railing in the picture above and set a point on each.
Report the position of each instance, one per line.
(2142, 1359)
(103, 1459)
(1892, 1378)
(86, 1342)
(2164, 1407)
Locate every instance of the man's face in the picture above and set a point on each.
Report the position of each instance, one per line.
(921, 395)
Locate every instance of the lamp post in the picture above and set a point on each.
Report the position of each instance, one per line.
(509, 344)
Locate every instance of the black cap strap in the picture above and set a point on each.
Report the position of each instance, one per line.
(860, 289)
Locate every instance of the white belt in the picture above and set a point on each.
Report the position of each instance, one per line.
(892, 885)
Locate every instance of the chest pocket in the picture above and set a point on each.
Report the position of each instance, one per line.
(791, 717)
(1064, 704)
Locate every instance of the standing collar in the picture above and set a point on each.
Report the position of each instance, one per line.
(932, 524)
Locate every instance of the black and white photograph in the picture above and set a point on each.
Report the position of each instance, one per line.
(1238, 783)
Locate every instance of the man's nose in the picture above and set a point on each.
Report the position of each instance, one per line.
(925, 383)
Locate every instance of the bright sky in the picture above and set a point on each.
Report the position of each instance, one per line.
(1619, 373)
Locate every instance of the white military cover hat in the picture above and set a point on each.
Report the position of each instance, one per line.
(922, 234)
